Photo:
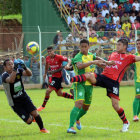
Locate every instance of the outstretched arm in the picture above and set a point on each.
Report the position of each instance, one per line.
(137, 58)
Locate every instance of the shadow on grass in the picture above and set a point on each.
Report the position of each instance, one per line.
(17, 135)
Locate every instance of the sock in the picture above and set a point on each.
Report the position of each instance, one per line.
(82, 112)
(73, 116)
(45, 101)
(122, 115)
(39, 122)
(135, 106)
(78, 78)
(66, 95)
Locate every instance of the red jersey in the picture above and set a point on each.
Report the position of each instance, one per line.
(117, 71)
(55, 63)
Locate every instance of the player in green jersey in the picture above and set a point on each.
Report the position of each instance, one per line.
(83, 62)
(136, 102)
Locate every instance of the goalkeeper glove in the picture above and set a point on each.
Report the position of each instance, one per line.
(16, 65)
(22, 64)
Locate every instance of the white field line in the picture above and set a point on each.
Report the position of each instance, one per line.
(60, 125)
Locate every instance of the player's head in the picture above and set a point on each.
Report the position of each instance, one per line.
(122, 45)
(50, 51)
(138, 45)
(84, 46)
(8, 65)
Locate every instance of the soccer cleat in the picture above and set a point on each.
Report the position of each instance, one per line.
(71, 130)
(78, 125)
(72, 92)
(135, 119)
(66, 77)
(44, 130)
(125, 127)
(40, 108)
(33, 120)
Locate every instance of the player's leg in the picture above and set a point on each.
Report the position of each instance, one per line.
(79, 95)
(136, 102)
(86, 105)
(81, 78)
(39, 121)
(58, 89)
(121, 113)
(47, 96)
(64, 94)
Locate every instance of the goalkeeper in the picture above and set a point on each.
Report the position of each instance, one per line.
(17, 97)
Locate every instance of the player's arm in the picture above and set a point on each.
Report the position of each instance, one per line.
(106, 62)
(81, 65)
(27, 72)
(11, 78)
(46, 69)
(54, 71)
(137, 58)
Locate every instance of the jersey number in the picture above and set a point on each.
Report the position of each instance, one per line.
(115, 90)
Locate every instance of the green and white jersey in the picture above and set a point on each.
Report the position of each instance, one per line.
(137, 70)
(83, 59)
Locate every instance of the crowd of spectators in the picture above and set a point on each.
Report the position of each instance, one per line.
(102, 21)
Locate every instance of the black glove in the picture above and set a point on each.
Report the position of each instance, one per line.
(23, 66)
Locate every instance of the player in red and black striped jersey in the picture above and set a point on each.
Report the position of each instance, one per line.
(54, 62)
(111, 77)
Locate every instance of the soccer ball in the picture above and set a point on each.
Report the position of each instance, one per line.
(32, 47)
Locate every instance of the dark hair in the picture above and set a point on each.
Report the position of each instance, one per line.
(5, 61)
(138, 40)
(84, 41)
(50, 48)
(124, 42)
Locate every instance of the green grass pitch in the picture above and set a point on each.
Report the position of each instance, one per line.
(100, 123)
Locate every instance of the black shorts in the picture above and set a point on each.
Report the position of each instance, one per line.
(56, 83)
(111, 86)
(24, 108)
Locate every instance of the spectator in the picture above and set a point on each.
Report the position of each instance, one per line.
(27, 61)
(91, 6)
(122, 1)
(71, 18)
(86, 18)
(113, 5)
(35, 70)
(93, 41)
(127, 7)
(127, 31)
(136, 25)
(114, 41)
(137, 5)
(93, 18)
(133, 10)
(56, 38)
(91, 31)
(132, 18)
(104, 11)
(117, 26)
(116, 18)
(107, 19)
(100, 20)
(126, 24)
(76, 15)
(83, 31)
(61, 45)
(124, 18)
(101, 4)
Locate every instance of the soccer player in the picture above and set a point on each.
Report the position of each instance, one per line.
(82, 62)
(54, 62)
(111, 77)
(136, 102)
(17, 97)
